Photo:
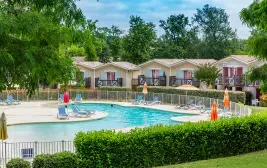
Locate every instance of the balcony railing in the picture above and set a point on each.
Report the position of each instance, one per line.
(237, 80)
(159, 81)
(181, 81)
(99, 82)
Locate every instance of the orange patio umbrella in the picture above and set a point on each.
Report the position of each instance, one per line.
(226, 100)
(145, 89)
(214, 114)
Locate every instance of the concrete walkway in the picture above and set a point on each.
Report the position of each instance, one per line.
(46, 112)
(40, 112)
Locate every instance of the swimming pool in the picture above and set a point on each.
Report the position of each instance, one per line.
(118, 117)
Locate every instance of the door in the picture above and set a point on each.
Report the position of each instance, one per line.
(155, 77)
(110, 78)
(188, 77)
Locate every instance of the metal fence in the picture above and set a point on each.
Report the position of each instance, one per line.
(28, 150)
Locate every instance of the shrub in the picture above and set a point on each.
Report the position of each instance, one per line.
(58, 160)
(108, 88)
(18, 163)
(236, 96)
(248, 97)
(161, 145)
(263, 100)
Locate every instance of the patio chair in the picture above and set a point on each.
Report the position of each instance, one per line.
(138, 100)
(76, 112)
(155, 100)
(78, 98)
(5, 102)
(197, 106)
(89, 111)
(61, 98)
(185, 106)
(12, 100)
(62, 113)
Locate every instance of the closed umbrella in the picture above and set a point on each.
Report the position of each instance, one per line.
(3, 130)
(226, 100)
(214, 113)
(145, 90)
(66, 97)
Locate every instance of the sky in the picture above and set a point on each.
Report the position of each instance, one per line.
(118, 12)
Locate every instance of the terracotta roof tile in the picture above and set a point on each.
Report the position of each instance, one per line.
(244, 58)
(90, 64)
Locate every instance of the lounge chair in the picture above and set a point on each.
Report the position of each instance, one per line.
(197, 106)
(5, 102)
(185, 106)
(154, 101)
(76, 112)
(61, 98)
(62, 113)
(138, 100)
(78, 98)
(89, 111)
(12, 100)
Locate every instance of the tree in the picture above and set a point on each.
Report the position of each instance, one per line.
(178, 40)
(216, 31)
(105, 56)
(207, 73)
(139, 41)
(255, 17)
(30, 34)
(114, 42)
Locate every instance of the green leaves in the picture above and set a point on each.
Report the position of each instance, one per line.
(139, 41)
(207, 73)
(161, 145)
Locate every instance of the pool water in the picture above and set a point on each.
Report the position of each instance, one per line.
(118, 117)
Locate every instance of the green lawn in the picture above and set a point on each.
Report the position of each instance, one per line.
(251, 160)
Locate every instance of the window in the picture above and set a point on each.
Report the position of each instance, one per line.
(187, 74)
(155, 73)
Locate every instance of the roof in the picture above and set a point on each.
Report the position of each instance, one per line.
(96, 65)
(168, 62)
(201, 61)
(246, 59)
(78, 59)
(165, 62)
(90, 64)
(125, 65)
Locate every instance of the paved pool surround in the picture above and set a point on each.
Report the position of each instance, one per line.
(46, 112)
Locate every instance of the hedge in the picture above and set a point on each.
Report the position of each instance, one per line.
(109, 88)
(235, 96)
(58, 160)
(163, 145)
(18, 163)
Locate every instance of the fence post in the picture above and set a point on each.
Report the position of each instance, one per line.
(62, 145)
(117, 96)
(17, 96)
(5, 154)
(179, 100)
(35, 146)
(126, 96)
(107, 95)
(162, 98)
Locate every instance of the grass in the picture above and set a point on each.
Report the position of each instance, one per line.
(251, 160)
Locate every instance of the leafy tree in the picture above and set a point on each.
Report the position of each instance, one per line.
(255, 17)
(114, 42)
(106, 55)
(216, 31)
(178, 40)
(207, 73)
(30, 34)
(139, 41)
(75, 50)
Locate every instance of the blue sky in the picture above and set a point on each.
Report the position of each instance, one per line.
(118, 12)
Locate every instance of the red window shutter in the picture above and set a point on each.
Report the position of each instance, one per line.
(239, 71)
(225, 71)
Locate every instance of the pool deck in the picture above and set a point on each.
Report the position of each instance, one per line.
(46, 112)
